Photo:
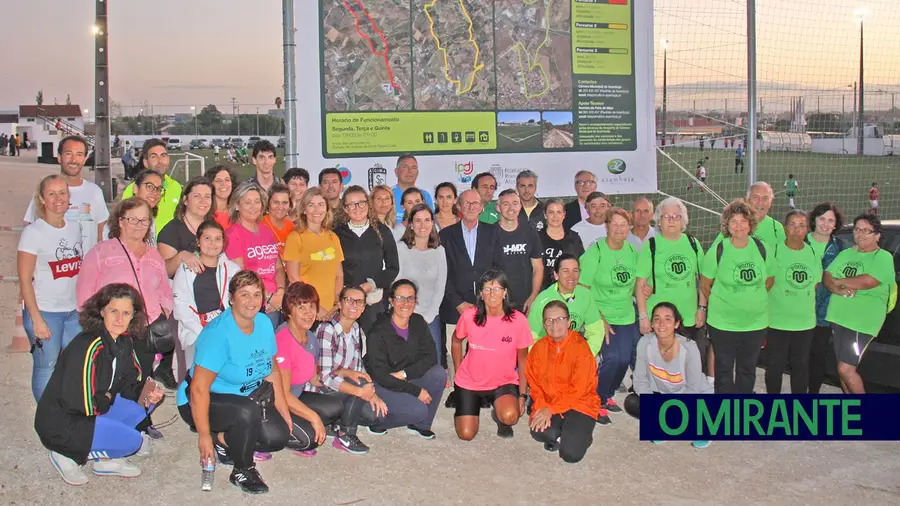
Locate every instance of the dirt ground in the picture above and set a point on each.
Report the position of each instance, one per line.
(403, 470)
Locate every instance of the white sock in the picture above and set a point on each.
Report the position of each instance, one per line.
(792, 202)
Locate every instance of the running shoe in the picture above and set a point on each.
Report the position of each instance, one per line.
(248, 480)
(115, 467)
(222, 453)
(305, 453)
(350, 444)
(69, 470)
(701, 444)
(503, 430)
(146, 448)
(611, 406)
(424, 433)
(261, 456)
(376, 430)
(603, 416)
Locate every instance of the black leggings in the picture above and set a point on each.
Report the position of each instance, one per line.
(736, 355)
(354, 410)
(303, 436)
(573, 429)
(145, 361)
(240, 419)
(783, 347)
(818, 358)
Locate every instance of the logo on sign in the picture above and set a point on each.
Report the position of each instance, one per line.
(464, 172)
(616, 166)
(377, 176)
(346, 175)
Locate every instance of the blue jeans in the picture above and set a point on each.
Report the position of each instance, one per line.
(406, 409)
(63, 328)
(115, 435)
(615, 358)
(434, 326)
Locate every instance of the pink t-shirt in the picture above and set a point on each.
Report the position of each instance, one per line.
(294, 357)
(493, 350)
(259, 251)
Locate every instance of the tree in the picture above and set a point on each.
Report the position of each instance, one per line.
(68, 99)
(823, 122)
(40, 97)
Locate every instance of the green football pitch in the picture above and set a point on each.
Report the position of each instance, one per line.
(519, 138)
(842, 179)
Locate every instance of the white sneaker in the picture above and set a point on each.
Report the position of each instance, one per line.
(146, 446)
(69, 470)
(116, 467)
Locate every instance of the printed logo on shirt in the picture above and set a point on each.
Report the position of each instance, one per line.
(515, 249)
(550, 256)
(324, 255)
(853, 269)
(506, 339)
(68, 260)
(620, 276)
(267, 251)
(746, 273)
(678, 267)
(798, 276)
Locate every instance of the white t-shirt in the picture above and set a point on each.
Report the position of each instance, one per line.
(637, 242)
(59, 253)
(87, 206)
(589, 233)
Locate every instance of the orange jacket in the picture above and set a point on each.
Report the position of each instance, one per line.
(563, 376)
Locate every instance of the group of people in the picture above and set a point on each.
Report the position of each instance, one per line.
(10, 145)
(283, 314)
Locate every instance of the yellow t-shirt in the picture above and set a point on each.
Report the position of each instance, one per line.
(319, 256)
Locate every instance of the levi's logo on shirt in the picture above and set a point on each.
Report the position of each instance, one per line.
(266, 251)
(68, 260)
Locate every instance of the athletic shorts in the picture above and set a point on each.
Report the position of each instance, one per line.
(468, 402)
(703, 179)
(849, 345)
(790, 195)
(874, 204)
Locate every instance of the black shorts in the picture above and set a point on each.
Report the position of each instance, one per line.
(849, 345)
(468, 402)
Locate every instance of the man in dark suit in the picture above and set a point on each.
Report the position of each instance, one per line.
(472, 247)
(585, 184)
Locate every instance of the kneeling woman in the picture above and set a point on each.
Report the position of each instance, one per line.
(494, 367)
(228, 394)
(667, 363)
(402, 360)
(562, 373)
(298, 352)
(94, 399)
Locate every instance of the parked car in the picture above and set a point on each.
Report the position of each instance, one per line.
(217, 142)
(173, 143)
(281, 143)
(252, 141)
(234, 142)
(198, 144)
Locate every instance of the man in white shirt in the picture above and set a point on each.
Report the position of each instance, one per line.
(641, 213)
(593, 228)
(86, 203)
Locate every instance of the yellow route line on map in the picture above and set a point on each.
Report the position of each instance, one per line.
(437, 40)
(534, 63)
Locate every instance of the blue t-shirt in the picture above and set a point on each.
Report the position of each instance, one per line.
(399, 193)
(240, 362)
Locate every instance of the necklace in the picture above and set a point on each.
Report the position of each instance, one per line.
(668, 349)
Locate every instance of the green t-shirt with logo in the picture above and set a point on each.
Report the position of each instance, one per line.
(677, 267)
(768, 231)
(583, 312)
(611, 276)
(818, 247)
(866, 311)
(792, 299)
(739, 301)
(489, 214)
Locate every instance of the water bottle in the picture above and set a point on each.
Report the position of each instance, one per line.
(208, 475)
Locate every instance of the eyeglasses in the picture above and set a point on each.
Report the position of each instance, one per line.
(585, 182)
(152, 188)
(362, 204)
(863, 231)
(797, 225)
(550, 322)
(492, 289)
(404, 300)
(671, 217)
(137, 222)
(354, 302)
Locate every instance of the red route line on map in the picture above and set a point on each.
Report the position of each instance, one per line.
(383, 54)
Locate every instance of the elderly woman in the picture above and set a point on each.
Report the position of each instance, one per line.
(233, 395)
(49, 258)
(149, 189)
(96, 397)
(824, 220)
(252, 245)
(403, 363)
(792, 307)
(862, 278)
(562, 374)
(736, 276)
(223, 181)
(670, 264)
(668, 362)
(608, 269)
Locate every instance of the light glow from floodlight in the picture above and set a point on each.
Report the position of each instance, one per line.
(95, 29)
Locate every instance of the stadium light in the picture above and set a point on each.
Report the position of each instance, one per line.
(665, 102)
(95, 30)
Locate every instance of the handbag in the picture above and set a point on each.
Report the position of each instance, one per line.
(163, 332)
(263, 396)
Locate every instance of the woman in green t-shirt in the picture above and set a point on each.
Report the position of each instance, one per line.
(736, 276)
(608, 268)
(792, 307)
(861, 277)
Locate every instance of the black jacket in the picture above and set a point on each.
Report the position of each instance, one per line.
(537, 218)
(573, 214)
(462, 276)
(368, 256)
(387, 352)
(76, 392)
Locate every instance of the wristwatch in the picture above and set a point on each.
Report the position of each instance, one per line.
(702, 308)
(524, 396)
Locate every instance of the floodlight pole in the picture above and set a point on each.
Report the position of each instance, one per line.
(101, 102)
(751, 92)
(860, 132)
(291, 158)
